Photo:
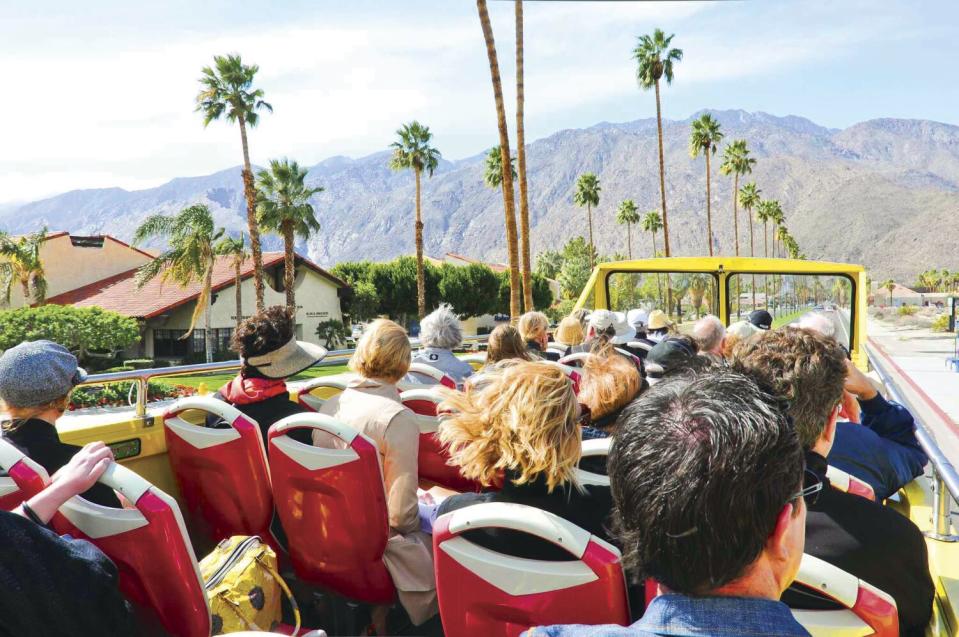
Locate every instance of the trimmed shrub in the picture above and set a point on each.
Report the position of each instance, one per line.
(139, 363)
(908, 310)
(941, 323)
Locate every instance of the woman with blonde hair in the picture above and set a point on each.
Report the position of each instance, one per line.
(609, 383)
(521, 423)
(533, 327)
(371, 405)
(505, 343)
(570, 332)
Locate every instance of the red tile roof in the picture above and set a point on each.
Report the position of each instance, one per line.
(119, 293)
(495, 267)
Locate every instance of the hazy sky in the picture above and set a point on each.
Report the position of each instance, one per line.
(101, 93)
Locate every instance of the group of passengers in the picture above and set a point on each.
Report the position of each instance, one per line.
(720, 446)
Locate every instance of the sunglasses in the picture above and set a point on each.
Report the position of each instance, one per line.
(811, 488)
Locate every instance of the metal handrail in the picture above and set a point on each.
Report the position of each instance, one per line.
(141, 377)
(945, 476)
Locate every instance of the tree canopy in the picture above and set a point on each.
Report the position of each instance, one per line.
(82, 330)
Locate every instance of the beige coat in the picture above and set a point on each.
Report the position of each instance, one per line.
(373, 408)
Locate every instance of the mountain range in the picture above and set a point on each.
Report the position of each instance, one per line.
(883, 193)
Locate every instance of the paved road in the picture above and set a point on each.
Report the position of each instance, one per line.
(917, 362)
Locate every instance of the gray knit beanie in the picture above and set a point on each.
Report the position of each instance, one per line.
(37, 372)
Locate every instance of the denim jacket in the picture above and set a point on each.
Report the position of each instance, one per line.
(883, 450)
(681, 616)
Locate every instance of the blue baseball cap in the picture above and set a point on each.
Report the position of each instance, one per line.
(38, 372)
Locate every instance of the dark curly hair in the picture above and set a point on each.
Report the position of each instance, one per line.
(264, 332)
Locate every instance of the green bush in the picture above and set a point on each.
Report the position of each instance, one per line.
(941, 323)
(121, 368)
(119, 394)
(81, 330)
(907, 310)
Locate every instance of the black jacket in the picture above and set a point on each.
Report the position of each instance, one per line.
(872, 542)
(589, 510)
(550, 355)
(269, 412)
(54, 586)
(40, 441)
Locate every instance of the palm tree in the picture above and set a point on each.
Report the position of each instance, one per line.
(413, 151)
(235, 249)
(20, 262)
(587, 194)
(889, 285)
(190, 257)
(493, 171)
(521, 157)
(509, 204)
(749, 199)
(549, 263)
(627, 215)
(652, 223)
(698, 285)
(736, 162)
(654, 60)
(228, 90)
(705, 139)
(283, 207)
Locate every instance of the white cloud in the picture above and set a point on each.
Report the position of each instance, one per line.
(121, 113)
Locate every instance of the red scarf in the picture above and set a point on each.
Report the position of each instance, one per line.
(244, 391)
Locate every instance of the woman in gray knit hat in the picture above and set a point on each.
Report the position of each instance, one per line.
(36, 378)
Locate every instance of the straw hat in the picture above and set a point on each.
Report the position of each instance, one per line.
(657, 320)
(288, 360)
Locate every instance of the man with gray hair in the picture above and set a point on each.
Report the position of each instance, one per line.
(710, 334)
(440, 332)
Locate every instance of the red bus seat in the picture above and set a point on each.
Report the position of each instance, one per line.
(574, 360)
(427, 375)
(595, 448)
(24, 478)
(483, 592)
(476, 361)
(223, 474)
(433, 457)
(849, 483)
(333, 508)
(150, 547)
(313, 393)
(868, 610)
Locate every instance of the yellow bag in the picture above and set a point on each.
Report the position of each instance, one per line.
(243, 586)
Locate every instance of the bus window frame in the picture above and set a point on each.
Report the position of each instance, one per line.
(715, 274)
(853, 300)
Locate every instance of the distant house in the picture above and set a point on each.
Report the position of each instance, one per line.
(164, 309)
(901, 295)
(72, 261)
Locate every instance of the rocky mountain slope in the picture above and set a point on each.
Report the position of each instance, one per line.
(884, 193)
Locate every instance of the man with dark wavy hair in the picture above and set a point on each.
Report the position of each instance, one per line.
(862, 537)
(707, 476)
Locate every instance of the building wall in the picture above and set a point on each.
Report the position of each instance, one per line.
(316, 299)
(68, 267)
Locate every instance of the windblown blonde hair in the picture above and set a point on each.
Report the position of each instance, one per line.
(522, 418)
(383, 352)
(532, 325)
(570, 331)
(608, 384)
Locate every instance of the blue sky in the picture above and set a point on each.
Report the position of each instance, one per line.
(101, 93)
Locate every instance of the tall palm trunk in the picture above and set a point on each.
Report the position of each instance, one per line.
(289, 265)
(237, 280)
(659, 280)
(589, 221)
(25, 288)
(736, 210)
(207, 318)
(249, 192)
(766, 254)
(629, 241)
(509, 210)
(749, 213)
(662, 171)
(521, 164)
(420, 274)
(709, 209)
